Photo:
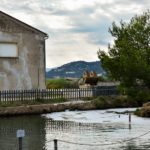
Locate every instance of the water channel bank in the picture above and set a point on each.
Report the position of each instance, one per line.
(99, 103)
(46, 108)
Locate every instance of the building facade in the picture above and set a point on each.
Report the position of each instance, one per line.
(22, 55)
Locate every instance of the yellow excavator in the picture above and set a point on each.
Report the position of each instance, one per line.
(89, 78)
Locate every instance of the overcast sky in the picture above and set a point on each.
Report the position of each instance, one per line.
(76, 28)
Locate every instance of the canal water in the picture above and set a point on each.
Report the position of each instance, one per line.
(77, 130)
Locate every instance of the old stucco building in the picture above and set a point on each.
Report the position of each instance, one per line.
(22, 55)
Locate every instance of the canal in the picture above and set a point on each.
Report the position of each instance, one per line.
(77, 130)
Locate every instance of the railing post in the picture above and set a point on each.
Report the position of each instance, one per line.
(21, 95)
(42, 97)
(129, 120)
(79, 94)
(61, 93)
(55, 144)
(129, 117)
(0, 96)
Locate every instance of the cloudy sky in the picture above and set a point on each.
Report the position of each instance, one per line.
(76, 28)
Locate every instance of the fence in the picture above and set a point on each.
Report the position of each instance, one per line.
(48, 94)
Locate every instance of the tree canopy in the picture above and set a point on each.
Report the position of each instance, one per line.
(128, 59)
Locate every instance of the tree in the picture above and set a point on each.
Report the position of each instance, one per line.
(128, 59)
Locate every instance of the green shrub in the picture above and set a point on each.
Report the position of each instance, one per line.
(143, 112)
(61, 83)
(137, 112)
(101, 102)
(138, 95)
(114, 102)
(141, 96)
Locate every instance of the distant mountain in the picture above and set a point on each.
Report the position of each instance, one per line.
(48, 69)
(75, 69)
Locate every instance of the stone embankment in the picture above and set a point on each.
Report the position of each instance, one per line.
(46, 108)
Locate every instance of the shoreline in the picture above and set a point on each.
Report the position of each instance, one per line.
(45, 108)
(28, 109)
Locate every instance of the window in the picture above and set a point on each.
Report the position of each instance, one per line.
(8, 50)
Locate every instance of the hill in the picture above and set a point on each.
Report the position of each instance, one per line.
(74, 69)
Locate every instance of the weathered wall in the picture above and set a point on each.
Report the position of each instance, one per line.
(28, 70)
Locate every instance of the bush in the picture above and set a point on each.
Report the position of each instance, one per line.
(137, 112)
(104, 102)
(140, 96)
(143, 112)
(101, 103)
(61, 83)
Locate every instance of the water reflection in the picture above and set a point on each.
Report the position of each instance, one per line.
(101, 136)
(110, 131)
(40, 131)
(34, 129)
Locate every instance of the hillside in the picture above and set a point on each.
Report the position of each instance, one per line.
(74, 69)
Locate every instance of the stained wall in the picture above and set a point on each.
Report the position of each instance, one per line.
(27, 71)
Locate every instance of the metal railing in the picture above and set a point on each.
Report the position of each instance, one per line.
(48, 94)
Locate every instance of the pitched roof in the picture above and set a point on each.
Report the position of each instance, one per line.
(25, 25)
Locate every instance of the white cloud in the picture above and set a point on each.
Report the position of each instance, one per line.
(76, 28)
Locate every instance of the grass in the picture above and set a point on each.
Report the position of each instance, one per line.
(61, 83)
(30, 102)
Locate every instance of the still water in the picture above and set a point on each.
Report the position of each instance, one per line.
(77, 130)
